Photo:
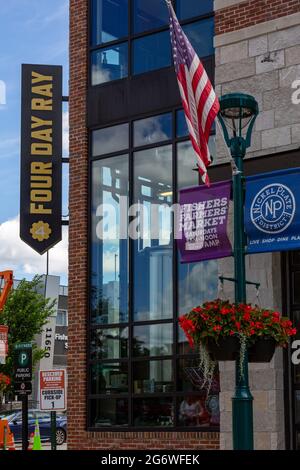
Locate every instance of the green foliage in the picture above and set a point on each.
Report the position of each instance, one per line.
(25, 313)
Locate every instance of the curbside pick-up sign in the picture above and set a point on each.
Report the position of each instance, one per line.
(52, 390)
(41, 156)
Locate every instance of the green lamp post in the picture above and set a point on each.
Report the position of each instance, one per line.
(237, 116)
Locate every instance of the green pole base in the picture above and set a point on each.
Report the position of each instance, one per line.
(242, 420)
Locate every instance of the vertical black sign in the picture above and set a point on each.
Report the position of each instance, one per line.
(41, 156)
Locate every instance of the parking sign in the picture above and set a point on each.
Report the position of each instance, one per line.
(52, 390)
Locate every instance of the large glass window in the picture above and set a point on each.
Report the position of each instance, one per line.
(109, 20)
(189, 8)
(142, 371)
(151, 52)
(109, 64)
(109, 267)
(149, 14)
(109, 140)
(153, 246)
(152, 130)
(145, 38)
(201, 35)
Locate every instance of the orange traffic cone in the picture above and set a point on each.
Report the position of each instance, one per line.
(11, 443)
(30, 446)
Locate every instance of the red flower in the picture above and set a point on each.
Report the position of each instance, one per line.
(247, 316)
(225, 310)
(292, 332)
(217, 328)
(238, 325)
(197, 309)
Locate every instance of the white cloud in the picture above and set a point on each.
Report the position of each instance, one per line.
(25, 262)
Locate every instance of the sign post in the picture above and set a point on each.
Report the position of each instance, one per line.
(53, 396)
(22, 383)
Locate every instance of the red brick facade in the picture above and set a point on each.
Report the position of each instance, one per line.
(78, 437)
(252, 12)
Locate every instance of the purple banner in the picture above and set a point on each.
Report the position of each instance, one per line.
(202, 222)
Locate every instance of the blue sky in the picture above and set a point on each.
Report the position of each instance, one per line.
(32, 31)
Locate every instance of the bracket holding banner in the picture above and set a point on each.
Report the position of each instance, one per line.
(232, 279)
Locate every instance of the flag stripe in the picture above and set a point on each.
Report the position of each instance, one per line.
(199, 100)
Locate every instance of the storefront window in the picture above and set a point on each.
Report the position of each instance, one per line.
(109, 343)
(153, 340)
(153, 246)
(109, 264)
(138, 354)
(153, 377)
(109, 412)
(153, 412)
(109, 378)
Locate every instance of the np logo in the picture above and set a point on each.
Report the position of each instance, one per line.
(273, 208)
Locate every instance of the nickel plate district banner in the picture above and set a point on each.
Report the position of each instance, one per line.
(202, 222)
(272, 211)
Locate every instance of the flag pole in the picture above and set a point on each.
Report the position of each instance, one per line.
(234, 168)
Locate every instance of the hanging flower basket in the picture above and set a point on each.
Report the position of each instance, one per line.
(262, 350)
(226, 349)
(223, 331)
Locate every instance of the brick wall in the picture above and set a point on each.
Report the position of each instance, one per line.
(253, 12)
(78, 437)
(78, 225)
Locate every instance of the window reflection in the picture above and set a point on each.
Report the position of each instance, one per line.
(190, 377)
(201, 34)
(110, 139)
(197, 282)
(151, 52)
(152, 130)
(109, 378)
(190, 8)
(153, 340)
(109, 20)
(153, 246)
(153, 377)
(155, 412)
(109, 260)
(109, 412)
(197, 411)
(109, 64)
(149, 14)
(187, 162)
(111, 343)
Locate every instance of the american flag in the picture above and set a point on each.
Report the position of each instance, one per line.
(199, 100)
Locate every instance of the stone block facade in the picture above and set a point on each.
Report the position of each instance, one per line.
(257, 52)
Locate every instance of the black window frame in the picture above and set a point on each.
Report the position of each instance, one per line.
(175, 395)
(130, 38)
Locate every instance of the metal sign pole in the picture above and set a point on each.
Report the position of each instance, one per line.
(53, 430)
(24, 422)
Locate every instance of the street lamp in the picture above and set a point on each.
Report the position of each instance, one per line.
(237, 117)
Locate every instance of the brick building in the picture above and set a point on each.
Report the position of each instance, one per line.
(131, 375)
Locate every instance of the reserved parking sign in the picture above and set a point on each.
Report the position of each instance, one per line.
(52, 390)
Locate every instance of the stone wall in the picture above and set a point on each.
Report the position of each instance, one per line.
(261, 59)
